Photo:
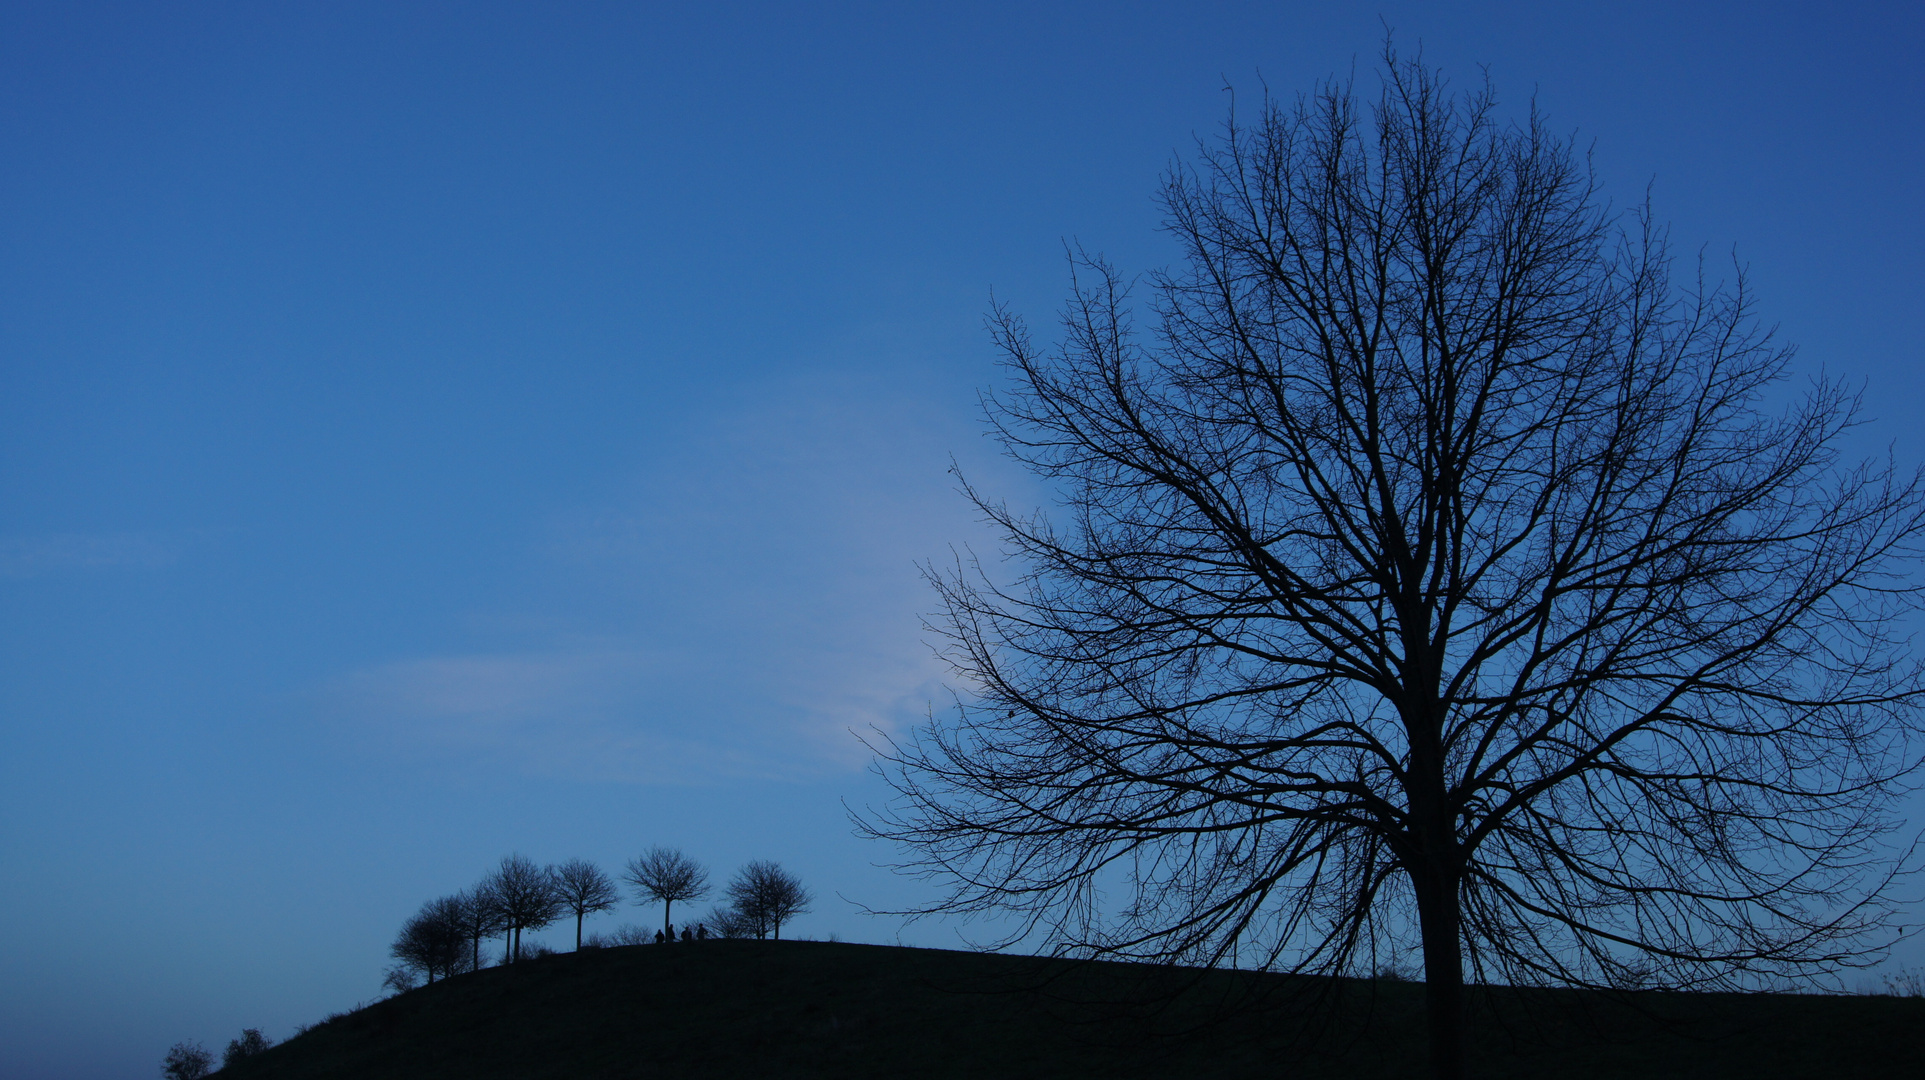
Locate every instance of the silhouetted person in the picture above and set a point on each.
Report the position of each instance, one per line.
(658, 937)
(687, 934)
(701, 932)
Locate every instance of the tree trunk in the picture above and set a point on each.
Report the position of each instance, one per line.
(1438, 916)
(578, 931)
(668, 928)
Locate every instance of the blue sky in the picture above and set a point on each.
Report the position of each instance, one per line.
(434, 431)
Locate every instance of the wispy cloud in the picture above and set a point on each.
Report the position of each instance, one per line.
(31, 556)
(635, 714)
(736, 609)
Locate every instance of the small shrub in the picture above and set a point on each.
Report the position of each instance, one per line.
(630, 934)
(250, 1043)
(400, 980)
(1906, 983)
(729, 922)
(186, 1061)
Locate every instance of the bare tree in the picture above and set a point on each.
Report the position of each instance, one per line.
(728, 921)
(665, 875)
(765, 896)
(480, 919)
(1433, 576)
(584, 889)
(434, 940)
(524, 896)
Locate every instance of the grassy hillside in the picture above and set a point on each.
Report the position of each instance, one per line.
(809, 1009)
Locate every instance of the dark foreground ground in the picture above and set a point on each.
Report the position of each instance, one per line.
(769, 1010)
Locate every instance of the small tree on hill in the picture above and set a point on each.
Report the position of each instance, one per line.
(665, 875)
(766, 896)
(524, 896)
(480, 918)
(584, 890)
(433, 941)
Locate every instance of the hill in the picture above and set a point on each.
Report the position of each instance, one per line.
(814, 1009)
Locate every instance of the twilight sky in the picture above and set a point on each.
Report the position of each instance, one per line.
(430, 431)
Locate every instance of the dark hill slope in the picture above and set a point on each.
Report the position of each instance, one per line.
(772, 1010)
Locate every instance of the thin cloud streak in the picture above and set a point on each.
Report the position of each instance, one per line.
(33, 556)
(634, 715)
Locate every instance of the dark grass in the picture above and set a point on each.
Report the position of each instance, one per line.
(809, 1009)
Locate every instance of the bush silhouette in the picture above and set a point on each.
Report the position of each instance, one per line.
(186, 1061)
(250, 1043)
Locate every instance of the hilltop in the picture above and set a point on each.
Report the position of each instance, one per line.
(770, 1009)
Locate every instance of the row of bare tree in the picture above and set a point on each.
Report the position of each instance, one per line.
(444, 937)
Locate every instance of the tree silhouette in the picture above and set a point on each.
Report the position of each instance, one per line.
(434, 940)
(584, 889)
(250, 1043)
(665, 875)
(186, 1061)
(1433, 574)
(524, 897)
(765, 896)
(480, 918)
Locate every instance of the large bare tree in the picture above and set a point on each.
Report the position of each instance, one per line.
(1438, 572)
